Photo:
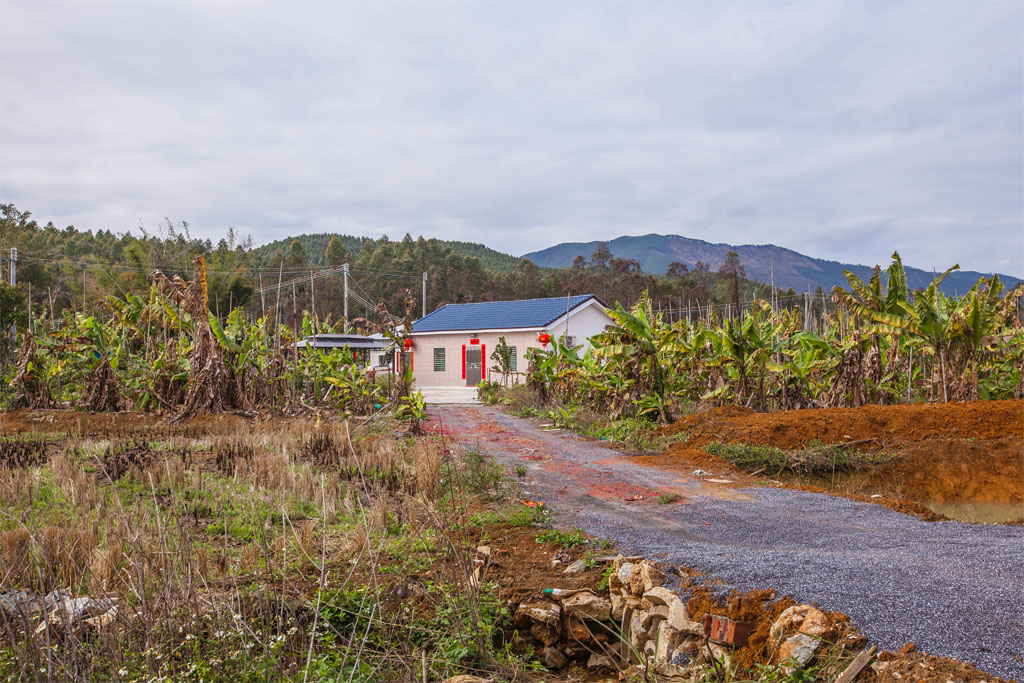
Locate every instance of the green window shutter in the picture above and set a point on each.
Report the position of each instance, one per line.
(439, 359)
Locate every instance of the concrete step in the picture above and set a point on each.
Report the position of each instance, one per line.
(449, 395)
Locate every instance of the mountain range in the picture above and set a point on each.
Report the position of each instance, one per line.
(763, 262)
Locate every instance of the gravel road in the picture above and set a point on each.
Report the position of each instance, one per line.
(955, 590)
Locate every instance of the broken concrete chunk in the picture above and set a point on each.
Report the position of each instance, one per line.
(588, 606)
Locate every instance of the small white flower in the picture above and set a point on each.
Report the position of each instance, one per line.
(122, 672)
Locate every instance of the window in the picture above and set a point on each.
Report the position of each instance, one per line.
(514, 365)
(439, 360)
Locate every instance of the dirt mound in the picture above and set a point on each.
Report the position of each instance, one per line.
(872, 427)
(939, 453)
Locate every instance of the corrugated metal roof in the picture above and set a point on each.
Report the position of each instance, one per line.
(499, 315)
(340, 341)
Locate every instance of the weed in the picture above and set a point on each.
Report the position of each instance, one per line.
(566, 539)
(669, 498)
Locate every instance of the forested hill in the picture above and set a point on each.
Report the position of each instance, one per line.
(72, 268)
(792, 270)
(315, 246)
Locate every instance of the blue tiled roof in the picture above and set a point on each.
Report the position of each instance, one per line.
(498, 315)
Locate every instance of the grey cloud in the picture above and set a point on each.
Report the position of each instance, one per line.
(842, 130)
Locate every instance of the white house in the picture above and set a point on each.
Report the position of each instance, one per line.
(452, 345)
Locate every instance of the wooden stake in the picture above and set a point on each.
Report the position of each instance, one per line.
(857, 665)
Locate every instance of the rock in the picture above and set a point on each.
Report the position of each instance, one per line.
(665, 644)
(679, 619)
(18, 604)
(803, 618)
(654, 615)
(548, 635)
(66, 611)
(618, 605)
(670, 672)
(796, 651)
(636, 581)
(588, 606)
(578, 631)
(577, 567)
(552, 658)
(637, 633)
(659, 595)
(651, 576)
(620, 578)
(597, 661)
(542, 612)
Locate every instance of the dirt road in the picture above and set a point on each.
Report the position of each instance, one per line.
(955, 590)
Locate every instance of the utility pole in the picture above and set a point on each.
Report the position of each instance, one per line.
(14, 282)
(424, 295)
(344, 273)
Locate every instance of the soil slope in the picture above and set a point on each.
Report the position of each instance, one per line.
(954, 452)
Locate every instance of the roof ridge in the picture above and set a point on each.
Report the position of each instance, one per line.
(513, 301)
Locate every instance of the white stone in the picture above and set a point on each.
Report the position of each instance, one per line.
(577, 567)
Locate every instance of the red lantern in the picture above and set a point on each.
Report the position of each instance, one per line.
(543, 338)
(408, 344)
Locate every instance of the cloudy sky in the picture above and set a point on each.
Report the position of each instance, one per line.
(841, 130)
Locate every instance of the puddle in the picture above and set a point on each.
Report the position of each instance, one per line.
(979, 513)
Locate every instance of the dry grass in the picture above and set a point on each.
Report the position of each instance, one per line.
(240, 553)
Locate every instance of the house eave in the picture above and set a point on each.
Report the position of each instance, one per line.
(475, 331)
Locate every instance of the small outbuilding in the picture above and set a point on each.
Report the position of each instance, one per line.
(369, 351)
(452, 345)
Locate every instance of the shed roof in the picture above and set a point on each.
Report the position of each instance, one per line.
(340, 341)
(500, 315)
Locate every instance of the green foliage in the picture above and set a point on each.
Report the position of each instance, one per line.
(669, 498)
(487, 392)
(883, 344)
(566, 539)
(816, 460)
(414, 409)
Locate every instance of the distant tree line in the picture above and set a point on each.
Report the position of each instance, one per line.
(72, 269)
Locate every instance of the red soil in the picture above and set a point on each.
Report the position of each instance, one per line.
(954, 452)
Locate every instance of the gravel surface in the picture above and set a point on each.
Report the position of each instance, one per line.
(955, 590)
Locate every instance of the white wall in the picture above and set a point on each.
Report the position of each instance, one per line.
(583, 323)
